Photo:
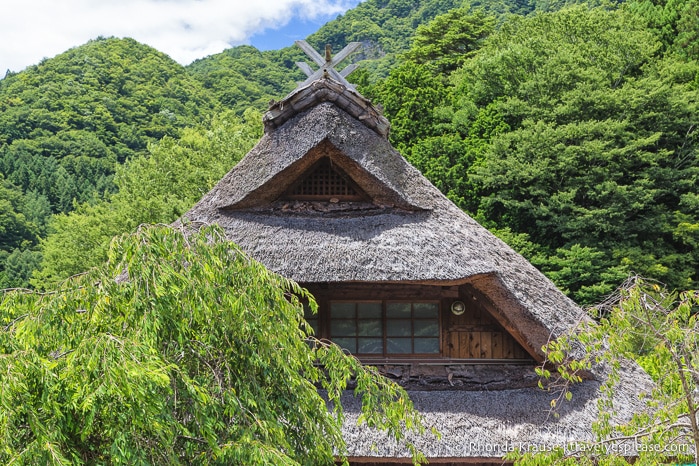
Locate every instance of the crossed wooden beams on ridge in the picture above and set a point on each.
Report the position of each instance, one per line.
(327, 64)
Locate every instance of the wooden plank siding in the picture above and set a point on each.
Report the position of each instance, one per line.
(474, 335)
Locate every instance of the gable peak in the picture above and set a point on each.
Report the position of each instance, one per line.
(326, 90)
(326, 84)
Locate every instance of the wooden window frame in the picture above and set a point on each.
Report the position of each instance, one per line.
(325, 320)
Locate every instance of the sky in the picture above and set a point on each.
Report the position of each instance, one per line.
(31, 30)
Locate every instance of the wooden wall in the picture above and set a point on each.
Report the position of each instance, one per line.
(476, 334)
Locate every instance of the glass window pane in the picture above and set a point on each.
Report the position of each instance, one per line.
(398, 328)
(350, 344)
(370, 328)
(425, 310)
(398, 345)
(369, 310)
(370, 346)
(394, 310)
(427, 345)
(343, 328)
(426, 328)
(342, 310)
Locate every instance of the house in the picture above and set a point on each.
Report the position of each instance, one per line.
(405, 280)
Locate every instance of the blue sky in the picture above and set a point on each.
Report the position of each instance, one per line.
(31, 30)
(297, 28)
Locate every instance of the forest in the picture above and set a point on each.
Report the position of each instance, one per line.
(568, 129)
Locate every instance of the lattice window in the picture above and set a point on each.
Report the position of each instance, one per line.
(325, 182)
(387, 328)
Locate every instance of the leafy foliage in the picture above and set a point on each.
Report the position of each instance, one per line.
(450, 39)
(179, 350)
(241, 77)
(674, 22)
(659, 329)
(23, 219)
(157, 188)
(65, 122)
(572, 128)
(599, 139)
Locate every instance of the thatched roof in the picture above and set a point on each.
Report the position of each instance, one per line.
(404, 230)
(326, 90)
(486, 424)
(410, 232)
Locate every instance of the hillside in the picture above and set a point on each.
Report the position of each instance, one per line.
(65, 122)
(244, 76)
(65, 125)
(570, 131)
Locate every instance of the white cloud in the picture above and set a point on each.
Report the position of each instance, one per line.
(184, 29)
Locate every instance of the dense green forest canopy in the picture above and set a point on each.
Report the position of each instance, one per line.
(66, 121)
(569, 130)
(572, 134)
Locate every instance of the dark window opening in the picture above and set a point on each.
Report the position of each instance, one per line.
(381, 328)
(323, 183)
(312, 319)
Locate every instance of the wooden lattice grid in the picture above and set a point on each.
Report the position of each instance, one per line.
(323, 183)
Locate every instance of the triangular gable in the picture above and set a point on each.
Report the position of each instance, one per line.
(355, 171)
(325, 182)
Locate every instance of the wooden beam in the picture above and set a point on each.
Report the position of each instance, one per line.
(327, 65)
(348, 69)
(305, 67)
(310, 51)
(344, 53)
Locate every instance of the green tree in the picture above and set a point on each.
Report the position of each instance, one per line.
(157, 188)
(23, 219)
(584, 273)
(66, 122)
(15, 229)
(447, 41)
(179, 350)
(17, 267)
(595, 144)
(241, 77)
(410, 96)
(674, 21)
(657, 328)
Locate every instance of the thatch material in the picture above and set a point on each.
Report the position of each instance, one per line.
(325, 90)
(485, 424)
(411, 232)
(407, 232)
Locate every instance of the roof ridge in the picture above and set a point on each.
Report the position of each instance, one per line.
(322, 90)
